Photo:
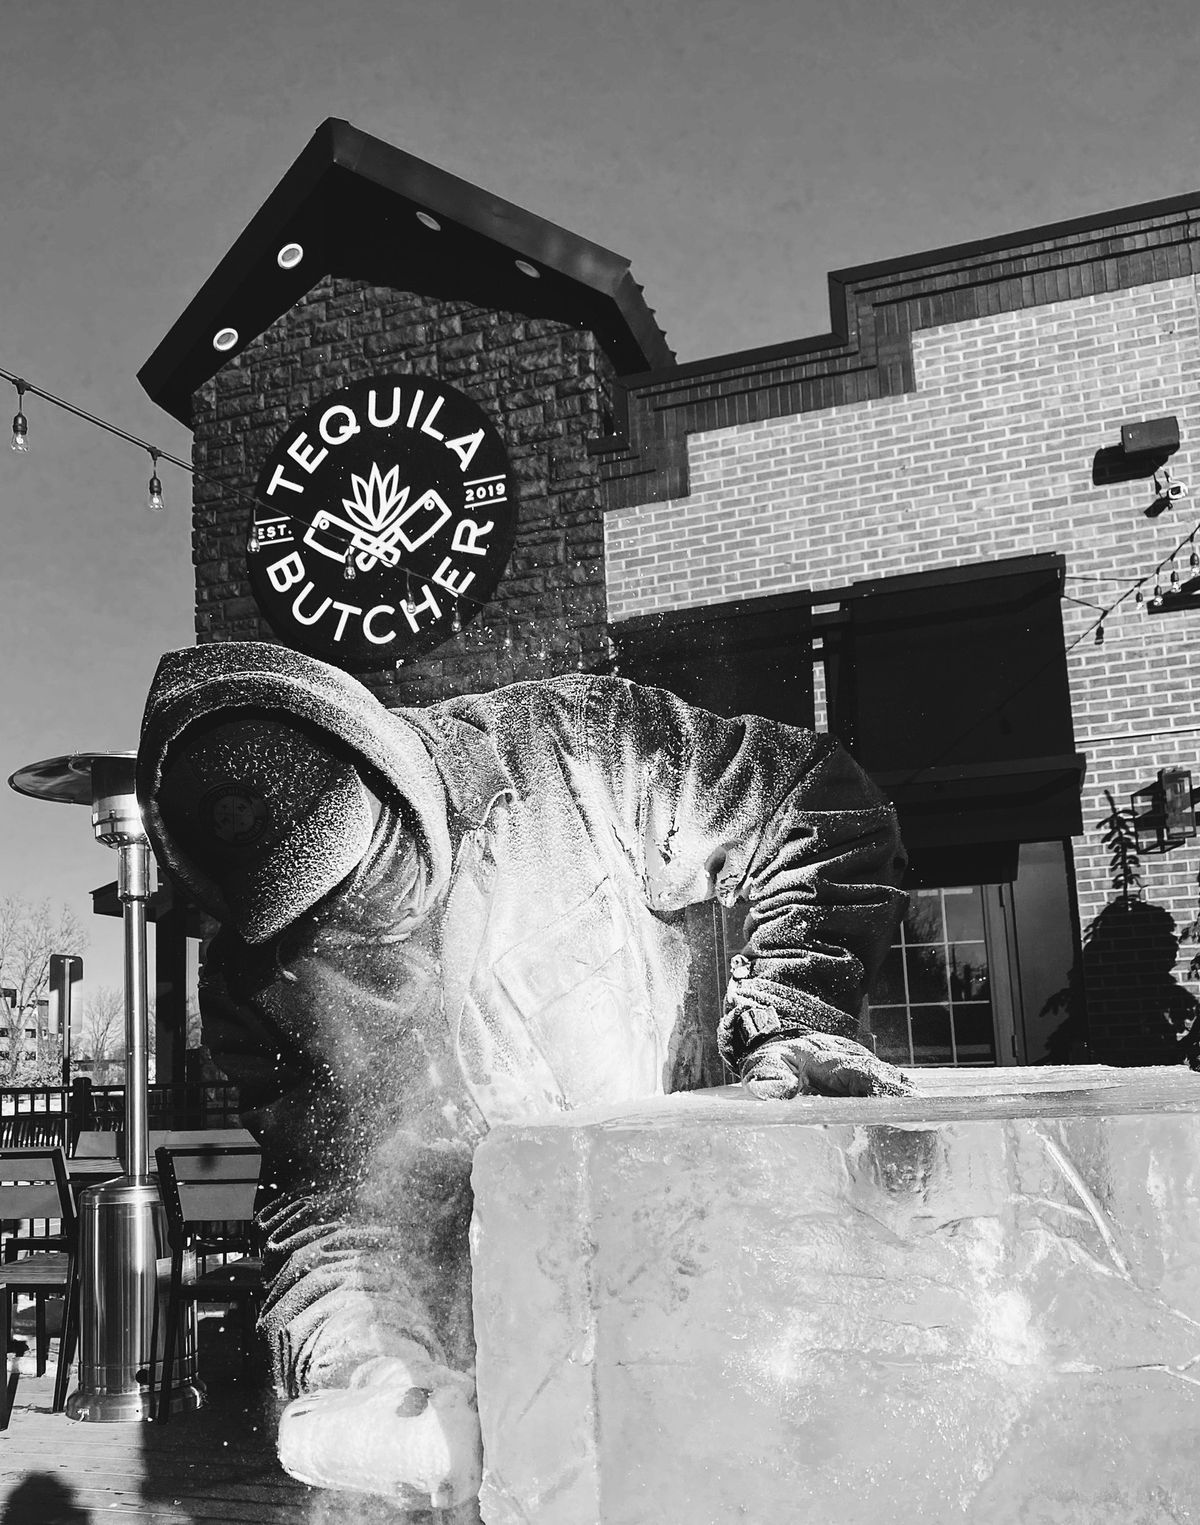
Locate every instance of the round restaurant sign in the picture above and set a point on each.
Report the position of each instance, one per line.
(385, 519)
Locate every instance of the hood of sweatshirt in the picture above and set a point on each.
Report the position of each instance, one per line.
(204, 691)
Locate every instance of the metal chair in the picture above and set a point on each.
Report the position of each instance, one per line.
(34, 1185)
(209, 1193)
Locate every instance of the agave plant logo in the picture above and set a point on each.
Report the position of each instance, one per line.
(378, 500)
(380, 519)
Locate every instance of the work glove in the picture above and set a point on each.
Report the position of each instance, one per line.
(819, 1064)
(405, 1428)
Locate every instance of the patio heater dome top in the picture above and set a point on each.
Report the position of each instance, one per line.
(68, 779)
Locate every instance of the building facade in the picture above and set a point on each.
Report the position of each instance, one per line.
(937, 531)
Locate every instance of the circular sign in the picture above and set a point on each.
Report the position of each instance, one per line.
(385, 519)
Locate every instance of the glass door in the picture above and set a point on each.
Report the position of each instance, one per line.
(944, 995)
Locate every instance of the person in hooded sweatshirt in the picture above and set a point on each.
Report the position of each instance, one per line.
(433, 920)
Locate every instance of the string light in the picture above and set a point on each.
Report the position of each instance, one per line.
(154, 499)
(20, 424)
(21, 429)
(155, 502)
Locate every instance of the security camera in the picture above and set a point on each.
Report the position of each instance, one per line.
(1176, 490)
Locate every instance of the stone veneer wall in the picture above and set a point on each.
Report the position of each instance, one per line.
(547, 386)
(990, 455)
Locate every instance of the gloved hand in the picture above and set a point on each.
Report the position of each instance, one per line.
(406, 1428)
(820, 1064)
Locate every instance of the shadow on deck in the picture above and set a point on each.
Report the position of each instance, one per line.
(217, 1466)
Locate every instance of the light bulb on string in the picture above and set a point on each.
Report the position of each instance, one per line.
(455, 619)
(20, 424)
(1100, 634)
(154, 492)
(1139, 597)
(348, 569)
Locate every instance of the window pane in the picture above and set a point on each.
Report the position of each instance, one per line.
(889, 1028)
(937, 976)
(931, 1035)
(927, 974)
(969, 972)
(923, 924)
(964, 915)
(975, 1034)
(888, 988)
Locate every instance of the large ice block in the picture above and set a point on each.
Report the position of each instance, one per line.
(979, 1304)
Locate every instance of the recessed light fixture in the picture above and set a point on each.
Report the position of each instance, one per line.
(427, 220)
(526, 268)
(289, 256)
(225, 338)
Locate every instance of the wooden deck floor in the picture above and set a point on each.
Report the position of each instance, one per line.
(214, 1467)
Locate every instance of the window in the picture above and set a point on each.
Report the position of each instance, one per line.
(932, 1000)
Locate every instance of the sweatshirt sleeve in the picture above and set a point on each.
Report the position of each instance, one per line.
(751, 809)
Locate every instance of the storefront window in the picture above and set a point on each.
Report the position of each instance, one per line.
(932, 1000)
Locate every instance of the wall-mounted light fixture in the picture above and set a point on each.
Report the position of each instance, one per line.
(1152, 434)
(1164, 813)
(1144, 449)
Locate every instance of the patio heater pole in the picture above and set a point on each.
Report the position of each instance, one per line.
(122, 1223)
(117, 822)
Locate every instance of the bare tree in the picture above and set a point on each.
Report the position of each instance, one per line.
(29, 934)
(102, 1038)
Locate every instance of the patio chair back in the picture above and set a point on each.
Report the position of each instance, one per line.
(34, 1184)
(206, 1184)
(209, 1192)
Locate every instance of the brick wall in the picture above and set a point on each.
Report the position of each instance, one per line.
(990, 455)
(546, 385)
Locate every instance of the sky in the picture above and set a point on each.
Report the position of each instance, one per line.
(735, 153)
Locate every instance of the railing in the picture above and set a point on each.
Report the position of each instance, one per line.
(38, 1116)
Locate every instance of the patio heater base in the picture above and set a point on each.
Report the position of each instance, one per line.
(124, 1261)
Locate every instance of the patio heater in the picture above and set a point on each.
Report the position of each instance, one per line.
(122, 1223)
